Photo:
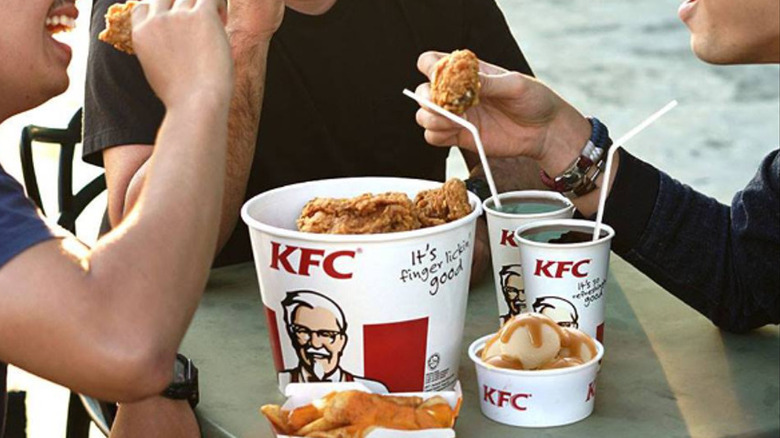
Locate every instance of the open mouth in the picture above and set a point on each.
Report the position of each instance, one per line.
(62, 16)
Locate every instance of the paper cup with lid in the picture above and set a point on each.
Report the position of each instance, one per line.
(565, 271)
(384, 310)
(518, 208)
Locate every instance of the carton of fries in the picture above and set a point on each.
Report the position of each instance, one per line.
(306, 404)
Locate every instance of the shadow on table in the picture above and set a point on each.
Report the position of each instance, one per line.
(757, 397)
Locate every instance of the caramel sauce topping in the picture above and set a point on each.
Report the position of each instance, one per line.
(506, 362)
(489, 344)
(575, 341)
(562, 362)
(534, 323)
(572, 340)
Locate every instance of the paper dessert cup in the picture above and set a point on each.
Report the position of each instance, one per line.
(303, 394)
(504, 249)
(567, 281)
(543, 398)
(384, 310)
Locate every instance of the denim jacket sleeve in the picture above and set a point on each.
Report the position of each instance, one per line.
(722, 261)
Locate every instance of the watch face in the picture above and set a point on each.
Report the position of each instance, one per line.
(179, 371)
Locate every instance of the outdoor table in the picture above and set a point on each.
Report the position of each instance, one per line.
(667, 371)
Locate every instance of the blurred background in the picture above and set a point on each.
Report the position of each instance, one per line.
(617, 60)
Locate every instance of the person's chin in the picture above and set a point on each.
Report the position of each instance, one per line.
(712, 54)
(56, 86)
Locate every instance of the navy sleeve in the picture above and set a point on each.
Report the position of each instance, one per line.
(20, 224)
(722, 261)
(119, 106)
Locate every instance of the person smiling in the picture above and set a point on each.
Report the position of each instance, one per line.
(723, 261)
(63, 314)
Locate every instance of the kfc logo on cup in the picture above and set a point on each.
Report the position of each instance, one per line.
(301, 261)
(556, 269)
(591, 391)
(508, 238)
(505, 398)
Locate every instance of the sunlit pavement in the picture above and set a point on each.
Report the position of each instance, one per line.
(617, 60)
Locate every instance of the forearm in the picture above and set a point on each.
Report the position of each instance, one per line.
(243, 121)
(511, 174)
(690, 244)
(114, 316)
(151, 261)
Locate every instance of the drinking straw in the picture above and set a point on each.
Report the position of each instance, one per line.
(474, 133)
(610, 156)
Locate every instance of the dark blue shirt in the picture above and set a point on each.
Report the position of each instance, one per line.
(723, 261)
(21, 227)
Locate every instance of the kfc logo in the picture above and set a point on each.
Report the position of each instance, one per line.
(284, 256)
(513, 289)
(591, 391)
(554, 269)
(317, 329)
(503, 398)
(563, 312)
(508, 238)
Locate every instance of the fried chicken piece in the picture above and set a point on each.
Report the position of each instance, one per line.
(455, 82)
(119, 27)
(366, 214)
(442, 205)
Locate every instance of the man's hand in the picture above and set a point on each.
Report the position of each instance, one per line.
(517, 116)
(254, 20)
(183, 48)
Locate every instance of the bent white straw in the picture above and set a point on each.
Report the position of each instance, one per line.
(472, 129)
(610, 156)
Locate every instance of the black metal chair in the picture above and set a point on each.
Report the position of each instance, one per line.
(81, 409)
(70, 205)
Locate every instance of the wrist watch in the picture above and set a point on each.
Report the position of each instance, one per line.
(185, 382)
(580, 177)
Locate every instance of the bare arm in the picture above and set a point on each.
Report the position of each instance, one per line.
(113, 317)
(250, 27)
(108, 321)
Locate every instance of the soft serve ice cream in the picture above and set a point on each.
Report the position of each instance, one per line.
(532, 341)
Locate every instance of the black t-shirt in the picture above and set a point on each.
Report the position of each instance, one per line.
(333, 105)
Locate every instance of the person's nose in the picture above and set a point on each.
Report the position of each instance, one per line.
(316, 340)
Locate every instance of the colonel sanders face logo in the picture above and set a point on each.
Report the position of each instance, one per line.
(559, 310)
(513, 289)
(317, 329)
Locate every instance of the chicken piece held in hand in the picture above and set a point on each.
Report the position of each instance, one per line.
(455, 82)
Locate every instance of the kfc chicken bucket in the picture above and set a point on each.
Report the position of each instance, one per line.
(386, 310)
